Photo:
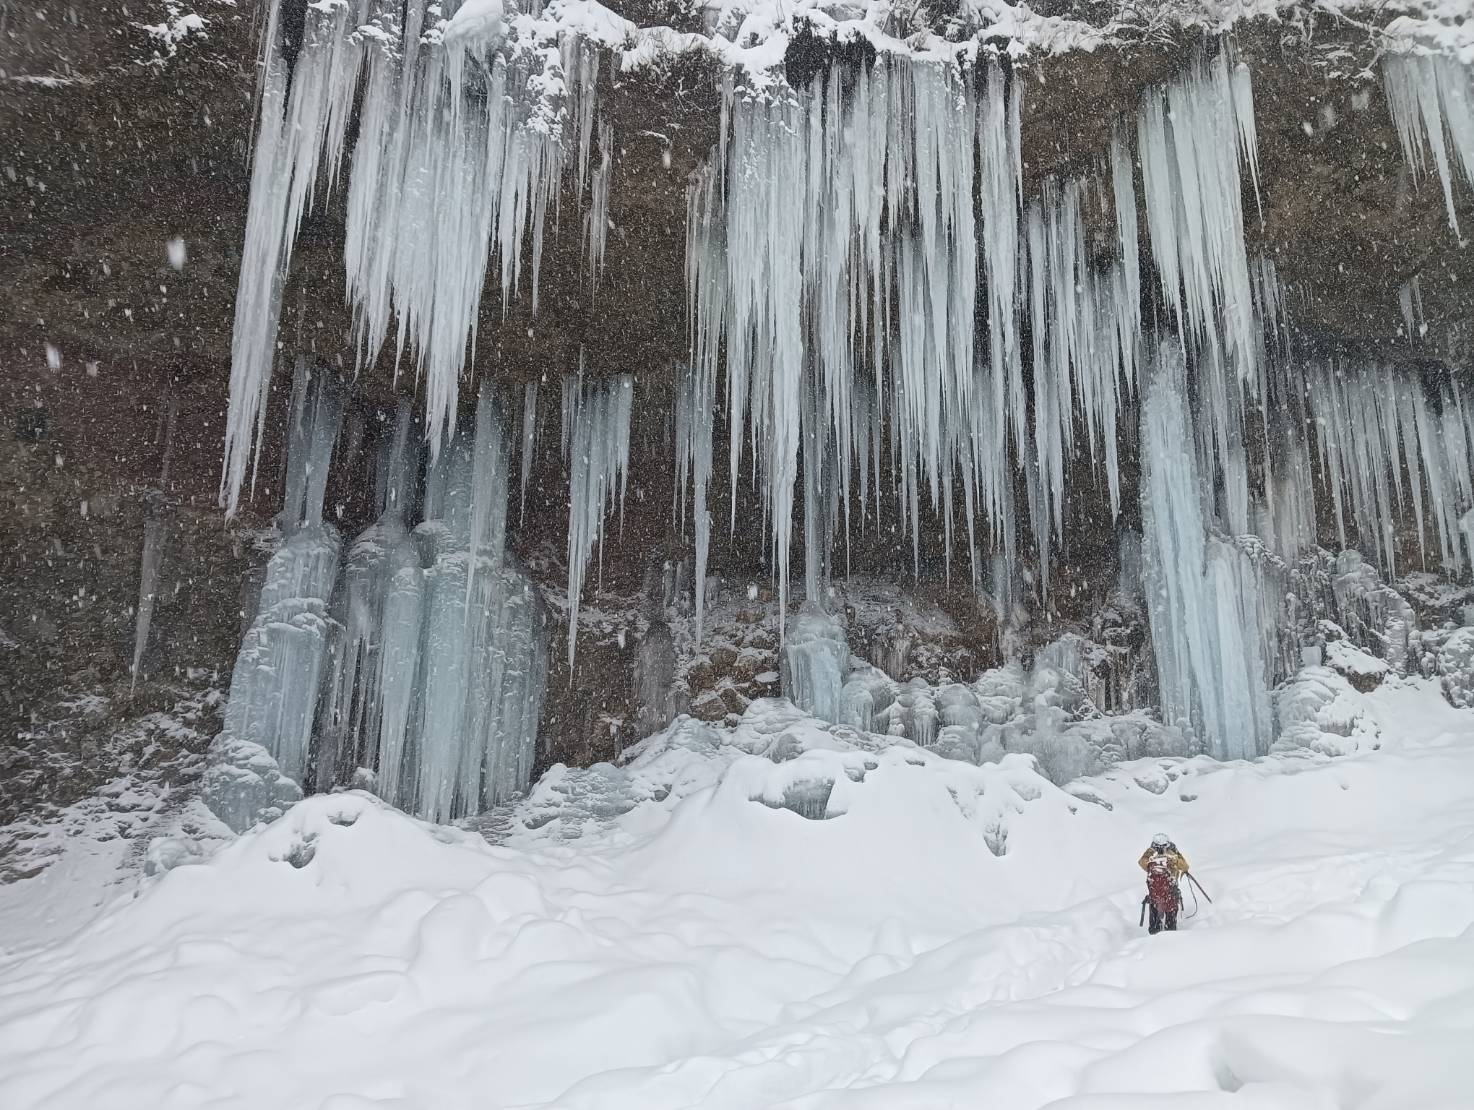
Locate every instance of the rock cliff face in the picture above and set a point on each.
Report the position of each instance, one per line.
(124, 187)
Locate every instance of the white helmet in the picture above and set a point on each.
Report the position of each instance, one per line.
(1161, 840)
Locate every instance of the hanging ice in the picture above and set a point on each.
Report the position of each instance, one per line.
(1431, 98)
(1191, 134)
(833, 267)
(458, 153)
(596, 415)
(1387, 443)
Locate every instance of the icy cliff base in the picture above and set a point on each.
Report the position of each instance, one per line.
(708, 946)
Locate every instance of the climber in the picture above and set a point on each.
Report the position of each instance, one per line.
(1164, 866)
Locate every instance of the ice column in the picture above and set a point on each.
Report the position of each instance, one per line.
(1203, 592)
(383, 562)
(274, 687)
(482, 638)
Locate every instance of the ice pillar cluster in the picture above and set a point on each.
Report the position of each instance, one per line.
(418, 666)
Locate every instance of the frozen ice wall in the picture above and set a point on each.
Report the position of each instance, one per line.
(1052, 709)
(383, 556)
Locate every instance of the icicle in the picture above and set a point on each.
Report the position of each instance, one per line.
(1243, 112)
(597, 415)
(297, 128)
(155, 535)
(1190, 134)
(694, 429)
(999, 160)
(596, 225)
(1127, 298)
(529, 443)
(457, 158)
(155, 532)
(1410, 301)
(1431, 98)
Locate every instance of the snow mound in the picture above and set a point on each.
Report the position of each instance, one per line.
(1321, 711)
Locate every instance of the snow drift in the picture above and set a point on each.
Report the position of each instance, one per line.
(674, 932)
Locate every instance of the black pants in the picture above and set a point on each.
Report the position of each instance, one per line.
(1156, 922)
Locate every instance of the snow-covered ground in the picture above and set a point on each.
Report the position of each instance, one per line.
(657, 936)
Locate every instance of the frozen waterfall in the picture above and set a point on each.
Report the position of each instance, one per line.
(899, 342)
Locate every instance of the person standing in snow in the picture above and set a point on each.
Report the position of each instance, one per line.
(1164, 866)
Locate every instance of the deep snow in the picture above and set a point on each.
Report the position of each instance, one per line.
(703, 948)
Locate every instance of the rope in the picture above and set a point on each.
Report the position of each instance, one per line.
(1188, 916)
